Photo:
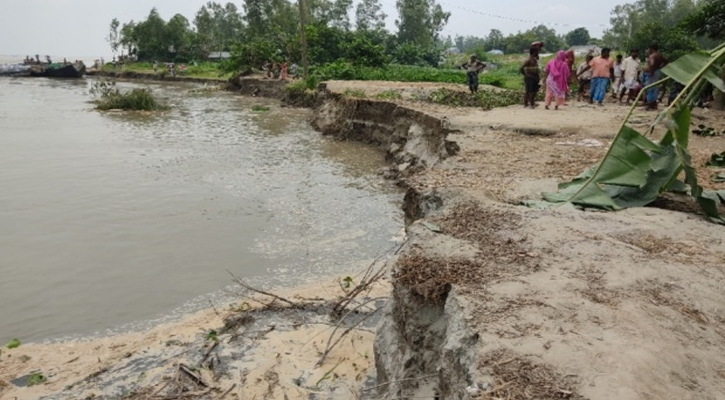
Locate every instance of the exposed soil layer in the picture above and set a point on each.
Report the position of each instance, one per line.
(492, 300)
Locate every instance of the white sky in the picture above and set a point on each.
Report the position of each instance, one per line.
(77, 28)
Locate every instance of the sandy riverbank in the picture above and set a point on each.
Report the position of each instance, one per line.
(258, 347)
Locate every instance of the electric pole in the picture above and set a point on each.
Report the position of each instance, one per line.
(303, 39)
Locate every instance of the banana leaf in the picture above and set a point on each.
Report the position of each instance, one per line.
(682, 70)
(635, 170)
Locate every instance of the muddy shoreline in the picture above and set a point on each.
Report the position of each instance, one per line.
(488, 299)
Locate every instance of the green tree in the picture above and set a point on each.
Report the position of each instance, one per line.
(217, 27)
(128, 37)
(627, 19)
(330, 12)
(369, 16)
(673, 42)
(151, 35)
(578, 37)
(179, 35)
(708, 21)
(495, 40)
(113, 36)
(420, 22)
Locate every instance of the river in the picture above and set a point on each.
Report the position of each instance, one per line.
(110, 219)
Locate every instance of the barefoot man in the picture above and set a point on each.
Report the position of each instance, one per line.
(653, 73)
(474, 67)
(532, 76)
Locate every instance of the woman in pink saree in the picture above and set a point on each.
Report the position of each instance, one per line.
(557, 80)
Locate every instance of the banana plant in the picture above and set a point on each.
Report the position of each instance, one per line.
(636, 170)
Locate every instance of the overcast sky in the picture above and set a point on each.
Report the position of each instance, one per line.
(77, 28)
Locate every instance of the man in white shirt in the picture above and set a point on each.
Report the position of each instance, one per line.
(617, 82)
(630, 73)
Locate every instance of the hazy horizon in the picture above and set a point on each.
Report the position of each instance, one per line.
(78, 28)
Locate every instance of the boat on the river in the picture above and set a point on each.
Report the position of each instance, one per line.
(14, 70)
(59, 70)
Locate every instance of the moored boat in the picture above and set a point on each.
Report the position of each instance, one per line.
(59, 70)
(14, 70)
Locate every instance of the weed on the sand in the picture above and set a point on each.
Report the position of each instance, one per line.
(259, 108)
(501, 254)
(389, 95)
(517, 378)
(353, 93)
(433, 277)
(486, 99)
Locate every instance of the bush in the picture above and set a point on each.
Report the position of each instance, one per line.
(112, 99)
(136, 99)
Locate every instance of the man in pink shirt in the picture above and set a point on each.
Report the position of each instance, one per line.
(602, 71)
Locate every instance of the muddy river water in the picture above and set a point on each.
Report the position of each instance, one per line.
(107, 219)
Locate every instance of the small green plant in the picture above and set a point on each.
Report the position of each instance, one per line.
(347, 282)
(15, 343)
(36, 379)
(389, 95)
(212, 335)
(259, 108)
(353, 93)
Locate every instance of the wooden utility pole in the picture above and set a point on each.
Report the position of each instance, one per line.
(303, 38)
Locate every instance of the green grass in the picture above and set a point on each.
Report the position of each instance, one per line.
(506, 76)
(389, 95)
(353, 93)
(204, 70)
(486, 99)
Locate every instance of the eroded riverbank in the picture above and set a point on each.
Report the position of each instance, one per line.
(494, 300)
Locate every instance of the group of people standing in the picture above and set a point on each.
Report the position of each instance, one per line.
(594, 74)
(171, 68)
(276, 70)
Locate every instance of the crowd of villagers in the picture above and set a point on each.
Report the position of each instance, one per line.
(594, 77)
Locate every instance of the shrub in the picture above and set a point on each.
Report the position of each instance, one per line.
(136, 99)
(353, 93)
(389, 95)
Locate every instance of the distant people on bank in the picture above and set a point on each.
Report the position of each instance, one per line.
(283, 71)
(473, 68)
(532, 77)
(293, 70)
(267, 69)
(182, 69)
(602, 68)
(276, 70)
(557, 80)
(630, 76)
(653, 73)
(584, 76)
(156, 66)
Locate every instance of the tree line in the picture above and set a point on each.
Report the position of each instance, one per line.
(270, 29)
